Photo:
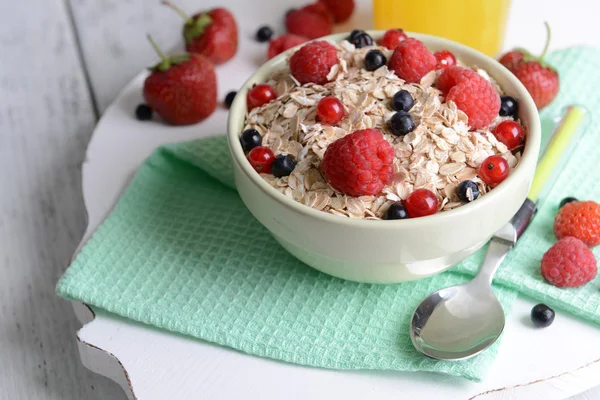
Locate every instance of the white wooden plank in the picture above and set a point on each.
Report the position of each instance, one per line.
(45, 121)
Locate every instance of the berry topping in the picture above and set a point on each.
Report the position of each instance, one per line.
(580, 219)
(374, 60)
(143, 112)
(250, 139)
(261, 158)
(569, 263)
(402, 101)
(360, 39)
(493, 170)
(359, 164)
(340, 9)
(508, 107)
(330, 110)
(283, 165)
(229, 99)
(566, 201)
(312, 62)
(412, 60)
(401, 123)
(512, 58)
(396, 211)
(510, 133)
(259, 95)
(308, 23)
(421, 202)
(452, 76)
(283, 43)
(444, 59)
(392, 38)
(264, 33)
(467, 191)
(542, 315)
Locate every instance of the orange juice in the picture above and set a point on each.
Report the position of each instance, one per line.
(477, 23)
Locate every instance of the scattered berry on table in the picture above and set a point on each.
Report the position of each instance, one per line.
(259, 95)
(264, 33)
(511, 58)
(340, 9)
(510, 133)
(493, 170)
(374, 60)
(283, 165)
(392, 38)
(359, 164)
(508, 107)
(321, 9)
(261, 158)
(283, 43)
(229, 99)
(542, 315)
(569, 263)
(467, 191)
(566, 200)
(396, 211)
(308, 24)
(402, 101)
(212, 33)
(250, 139)
(580, 219)
(412, 60)
(360, 39)
(313, 61)
(330, 110)
(143, 112)
(401, 123)
(540, 81)
(444, 59)
(421, 202)
(181, 89)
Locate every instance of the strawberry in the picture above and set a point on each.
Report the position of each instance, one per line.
(510, 59)
(182, 89)
(212, 33)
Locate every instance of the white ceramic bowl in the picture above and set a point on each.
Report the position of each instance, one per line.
(386, 251)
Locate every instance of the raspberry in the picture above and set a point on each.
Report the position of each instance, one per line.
(359, 164)
(308, 24)
(283, 43)
(392, 38)
(340, 9)
(312, 62)
(580, 219)
(452, 76)
(411, 60)
(569, 263)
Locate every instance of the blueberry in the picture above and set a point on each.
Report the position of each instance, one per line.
(374, 60)
(354, 33)
(360, 39)
(283, 165)
(143, 112)
(467, 191)
(264, 33)
(567, 200)
(396, 211)
(542, 315)
(401, 123)
(508, 107)
(229, 99)
(402, 101)
(250, 139)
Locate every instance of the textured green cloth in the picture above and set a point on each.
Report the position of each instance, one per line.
(181, 252)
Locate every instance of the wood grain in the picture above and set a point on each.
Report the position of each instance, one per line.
(46, 119)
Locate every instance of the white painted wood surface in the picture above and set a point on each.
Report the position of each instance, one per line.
(46, 118)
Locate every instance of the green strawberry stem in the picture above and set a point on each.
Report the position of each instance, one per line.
(188, 19)
(164, 63)
(547, 46)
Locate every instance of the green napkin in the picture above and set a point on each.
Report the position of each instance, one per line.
(181, 252)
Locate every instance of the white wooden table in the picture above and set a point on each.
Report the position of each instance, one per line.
(61, 64)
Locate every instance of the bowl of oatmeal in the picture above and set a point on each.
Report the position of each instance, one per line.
(370, 166)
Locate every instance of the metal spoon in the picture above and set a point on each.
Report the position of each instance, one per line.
(461, 321)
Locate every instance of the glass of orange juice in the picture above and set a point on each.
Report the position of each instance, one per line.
(477, 23)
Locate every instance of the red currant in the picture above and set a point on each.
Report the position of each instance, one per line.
(493, 170)
(259, 95)
(421, 202)
(444, 59)
(261, 158)
(510, 133)
(330, 110)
